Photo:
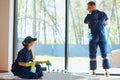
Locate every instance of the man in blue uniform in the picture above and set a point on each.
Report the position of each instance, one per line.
(97, 20)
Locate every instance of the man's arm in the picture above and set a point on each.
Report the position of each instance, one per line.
(107, 23)
(86, 20)
(104, 19)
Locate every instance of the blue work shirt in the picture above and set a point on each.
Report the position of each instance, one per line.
(23, 56)
(96, 22)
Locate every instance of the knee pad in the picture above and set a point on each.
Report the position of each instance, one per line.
(106, 64)
(38, 65)
(93, 65)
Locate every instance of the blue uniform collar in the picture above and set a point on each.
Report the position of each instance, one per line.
(94, 11)
(26, 49)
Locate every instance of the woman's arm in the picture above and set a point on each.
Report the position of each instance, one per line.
(27, 64)
(33, 63)
(41, 62)
(21, 63)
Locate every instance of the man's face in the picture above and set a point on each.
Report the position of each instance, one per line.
(91, 8)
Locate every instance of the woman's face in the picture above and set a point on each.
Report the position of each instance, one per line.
(31, 44)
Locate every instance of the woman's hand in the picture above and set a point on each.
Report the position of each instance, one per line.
(44, 62)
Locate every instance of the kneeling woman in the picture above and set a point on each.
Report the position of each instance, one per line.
(22, 65)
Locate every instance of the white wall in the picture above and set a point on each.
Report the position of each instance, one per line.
(6, 34)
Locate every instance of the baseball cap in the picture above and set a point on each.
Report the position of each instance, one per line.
(28, 39)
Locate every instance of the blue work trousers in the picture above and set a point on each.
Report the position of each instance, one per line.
(92, 53)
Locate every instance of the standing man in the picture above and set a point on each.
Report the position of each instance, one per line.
(97, 20)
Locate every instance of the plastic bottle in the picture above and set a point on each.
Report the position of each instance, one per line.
(33, 69)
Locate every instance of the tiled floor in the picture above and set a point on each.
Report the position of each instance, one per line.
(63, 76)
(109, 78)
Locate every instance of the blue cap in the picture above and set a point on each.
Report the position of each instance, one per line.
(28, 39)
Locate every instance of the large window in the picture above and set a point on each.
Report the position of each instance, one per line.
(46, 20)
(79, 32)
(78, 37)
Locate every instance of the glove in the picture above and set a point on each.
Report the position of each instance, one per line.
(30, 64)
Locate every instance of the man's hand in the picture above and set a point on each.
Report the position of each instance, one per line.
(107, 23)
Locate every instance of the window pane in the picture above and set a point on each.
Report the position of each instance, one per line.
(78, 37)
(79, 33)
(44, 19)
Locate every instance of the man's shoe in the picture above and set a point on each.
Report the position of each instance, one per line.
(93, 73)
(107, 74)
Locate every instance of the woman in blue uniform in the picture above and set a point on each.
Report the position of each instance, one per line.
(97, 20)
(22, 65)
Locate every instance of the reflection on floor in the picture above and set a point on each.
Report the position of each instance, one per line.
(63, 76)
